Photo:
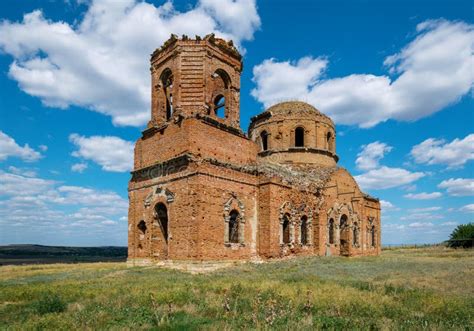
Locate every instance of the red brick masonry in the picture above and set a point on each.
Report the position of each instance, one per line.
(203, 190)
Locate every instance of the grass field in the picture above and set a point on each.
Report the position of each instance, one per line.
(425, 288)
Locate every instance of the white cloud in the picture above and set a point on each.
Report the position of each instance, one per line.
(79, 167)
(112, 153)
(450, 223)
(101, 62)
(458, 186)
(8, 148)
(438, 151)
(386, 177)
(421, 225)
(426, 209)
(468, 208)
(423, 196)
(278, 81)
(434, 70)
(22, 171)
(43, 148)
(371, 154)
(421, 216)
(19, 185)
(42, 206)
(387, 205)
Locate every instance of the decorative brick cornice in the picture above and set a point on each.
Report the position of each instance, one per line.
(301, 150)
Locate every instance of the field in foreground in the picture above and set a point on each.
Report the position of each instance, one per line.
(430, 288)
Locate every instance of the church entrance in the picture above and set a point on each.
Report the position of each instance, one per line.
(160, 233)
(344, 235)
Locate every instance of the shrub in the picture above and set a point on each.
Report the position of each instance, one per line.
(462, 236)
(49, 303)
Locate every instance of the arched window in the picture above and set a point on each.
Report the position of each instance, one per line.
(221, 93)
(299, 137)
(331, 231)
(142, 229)
(355, 235)
(329, 141)
(343, 222)
(286, 229)
(162, 218)
(304, 230)
(219, 106)
(372, 235)
(167, 85)
(264, 138)
(234, 226)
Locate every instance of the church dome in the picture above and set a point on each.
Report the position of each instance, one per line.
(294, 132)
(293, 107)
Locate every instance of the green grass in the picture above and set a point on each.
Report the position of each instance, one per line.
(425, 288)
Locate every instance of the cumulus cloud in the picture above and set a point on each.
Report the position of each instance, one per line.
(421, 225)
(371, 154)
(458, 186)
(468, 208)
(22, 171)
(437, 151)
(421, 216)
(101, 63)
(425, 209)
(79, 167)
(45, 206)
(423, 196)
(386, 177)
(112, 153)
(431, 72)
(9, 148)
(278, 81)
(387, 205)
(379, 177)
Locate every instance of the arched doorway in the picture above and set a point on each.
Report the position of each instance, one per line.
(162, 218)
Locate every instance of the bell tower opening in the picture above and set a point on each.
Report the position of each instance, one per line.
(167, 86)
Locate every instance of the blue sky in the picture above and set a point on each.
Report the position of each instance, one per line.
(396, 76)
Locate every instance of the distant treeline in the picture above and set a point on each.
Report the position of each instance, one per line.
(29, 251)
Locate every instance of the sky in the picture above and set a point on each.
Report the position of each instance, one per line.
(395, 76)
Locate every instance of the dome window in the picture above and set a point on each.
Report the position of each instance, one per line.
(264, 139)
(299, 137)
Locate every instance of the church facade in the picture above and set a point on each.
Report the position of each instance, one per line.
(202, 189)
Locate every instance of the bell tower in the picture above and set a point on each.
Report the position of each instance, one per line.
(196, 78)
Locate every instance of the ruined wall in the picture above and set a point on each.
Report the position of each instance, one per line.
(198, 137)
(275, 202)
(342, 196)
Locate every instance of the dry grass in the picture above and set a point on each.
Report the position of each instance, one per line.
(422, 288)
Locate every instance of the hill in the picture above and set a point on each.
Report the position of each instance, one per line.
(27, 254)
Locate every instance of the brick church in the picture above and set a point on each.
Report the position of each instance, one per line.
(202, 189)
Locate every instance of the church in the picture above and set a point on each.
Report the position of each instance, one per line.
(204, 190)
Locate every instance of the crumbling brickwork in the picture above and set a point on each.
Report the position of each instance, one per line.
(202, 189)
